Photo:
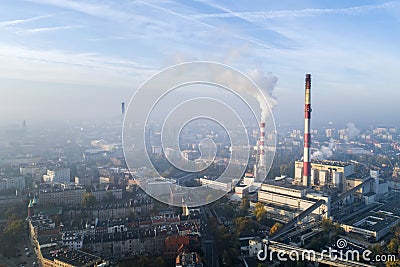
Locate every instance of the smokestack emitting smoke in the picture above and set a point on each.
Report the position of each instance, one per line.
(266, 82)
(307, 134)
(261, 161)
(123, 108)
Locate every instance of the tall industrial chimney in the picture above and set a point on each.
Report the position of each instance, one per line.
(261, 171)
(261, 161)
(123, 108)
(307, 134)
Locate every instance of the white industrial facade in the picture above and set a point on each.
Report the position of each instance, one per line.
(285, 196)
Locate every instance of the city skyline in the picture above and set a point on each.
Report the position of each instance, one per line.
(199, 133)
(64, 60)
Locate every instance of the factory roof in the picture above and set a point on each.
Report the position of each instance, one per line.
(358, 176)
(378, 223)
(283, 207)
(284, 183)
(331, 162)
(380, 217)
(369, 194)
(392, 206)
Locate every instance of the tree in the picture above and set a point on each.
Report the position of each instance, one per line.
(394, 245)
(144, 261)
(229, 211)
(245, 204)
(327, 225)
(14, 212)
(395, 263)
(88, 200)
(245, 226)
(223, 238)
(244, 208)
(230, 257)
(10, 235)
(159, 262)
(318, 242)
(396, 232)
(376, 250)
(275, 228)
(260, 212)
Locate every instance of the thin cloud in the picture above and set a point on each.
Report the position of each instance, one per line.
(91, 60)
(224, 9)
(98, 10)
(65, 67)
(21, 21)
(90, 9)
(309, 12)
(106, 11)
(191, 18)
(49, 29)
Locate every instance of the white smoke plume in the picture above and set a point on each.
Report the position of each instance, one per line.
(352, 130)
(325, 151)
(266, 82)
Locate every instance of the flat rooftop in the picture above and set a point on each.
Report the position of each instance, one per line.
(284, 183)
(380, 217)
(77, 258)
(377, 222)
(391, 206)
(329, 162)
(358, 176)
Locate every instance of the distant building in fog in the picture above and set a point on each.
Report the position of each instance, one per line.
(61, 175)
(12, 183)
(61, 195)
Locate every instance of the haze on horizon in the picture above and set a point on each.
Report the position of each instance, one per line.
(69, 60)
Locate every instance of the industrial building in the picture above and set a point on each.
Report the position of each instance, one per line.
(331, 174)
(374, 224)
(284, 200)
(227, 187)
(326, 189)
(247, 187)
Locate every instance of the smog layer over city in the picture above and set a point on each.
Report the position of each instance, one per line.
(199, 133)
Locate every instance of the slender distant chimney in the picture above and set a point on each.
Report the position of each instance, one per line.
(123, 108)
(307, 134)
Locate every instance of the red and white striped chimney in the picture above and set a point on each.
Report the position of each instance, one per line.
(261, 160)
(307, 134)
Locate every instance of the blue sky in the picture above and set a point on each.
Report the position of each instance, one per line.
(62, 59)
